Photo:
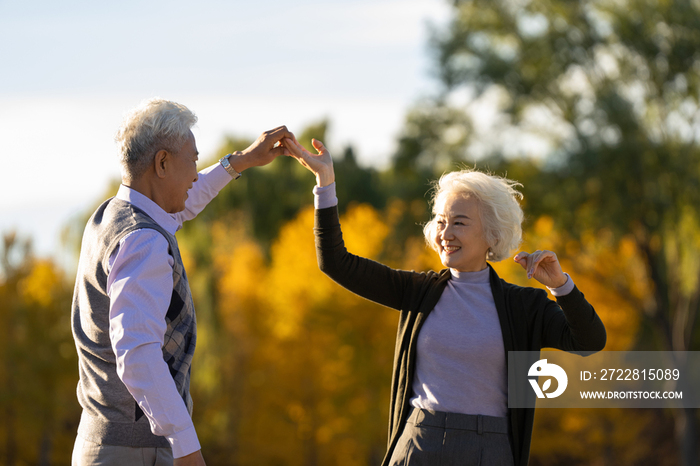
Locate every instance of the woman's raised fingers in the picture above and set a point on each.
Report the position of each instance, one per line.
(521, 258)
(319, 146)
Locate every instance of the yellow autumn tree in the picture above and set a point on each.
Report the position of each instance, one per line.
(38, 374)
(298, 370)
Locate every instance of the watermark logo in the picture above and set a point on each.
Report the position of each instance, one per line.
(543, 369)
(607, 379)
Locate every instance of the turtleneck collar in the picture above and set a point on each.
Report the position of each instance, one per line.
(482, 276)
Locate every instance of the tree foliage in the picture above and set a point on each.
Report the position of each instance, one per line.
(299, 367)
(592, 105)
(608, 92)
(613, 88)
(37, 377)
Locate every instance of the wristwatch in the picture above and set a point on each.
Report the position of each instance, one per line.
(227, 165)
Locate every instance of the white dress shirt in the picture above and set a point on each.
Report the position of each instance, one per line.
(140, 285)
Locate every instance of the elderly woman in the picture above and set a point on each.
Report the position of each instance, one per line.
(449, 401)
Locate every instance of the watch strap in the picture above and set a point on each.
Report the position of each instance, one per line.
(224, 161)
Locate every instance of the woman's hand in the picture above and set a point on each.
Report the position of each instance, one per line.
(543, 266)
(320, 164)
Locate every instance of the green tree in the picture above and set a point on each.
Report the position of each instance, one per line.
(608, 92)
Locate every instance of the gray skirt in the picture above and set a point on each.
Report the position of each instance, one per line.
(434, 438)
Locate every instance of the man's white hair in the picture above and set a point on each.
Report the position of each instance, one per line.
(501, 214)
(154, 125)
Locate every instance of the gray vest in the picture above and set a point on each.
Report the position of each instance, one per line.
(111, 416)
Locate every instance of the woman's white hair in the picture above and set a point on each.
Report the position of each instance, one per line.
(154, 125)
(500, 211)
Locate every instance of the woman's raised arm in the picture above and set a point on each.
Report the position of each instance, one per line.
(362, 276)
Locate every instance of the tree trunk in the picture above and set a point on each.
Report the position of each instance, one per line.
(10, 412)
(10, 439)
(673, 328)
(686, 424)
(45, 448)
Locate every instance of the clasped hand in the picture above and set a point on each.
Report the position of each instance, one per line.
(264, 150)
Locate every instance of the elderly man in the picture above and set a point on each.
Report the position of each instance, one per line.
(132, 316)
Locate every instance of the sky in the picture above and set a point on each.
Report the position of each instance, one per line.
(71, 69)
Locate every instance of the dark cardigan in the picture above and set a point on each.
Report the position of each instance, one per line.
(529, 320)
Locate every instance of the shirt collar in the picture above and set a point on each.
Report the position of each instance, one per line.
(153, 210)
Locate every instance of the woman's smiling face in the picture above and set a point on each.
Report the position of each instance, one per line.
(459, 233)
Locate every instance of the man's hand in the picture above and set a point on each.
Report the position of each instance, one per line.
(263, 151)
(193, 459)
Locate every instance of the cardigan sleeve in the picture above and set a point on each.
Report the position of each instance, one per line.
(571, 324)
(367, 278)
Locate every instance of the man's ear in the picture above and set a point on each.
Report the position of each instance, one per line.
(161, 161)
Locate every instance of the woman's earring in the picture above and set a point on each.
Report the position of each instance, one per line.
(489, 254)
